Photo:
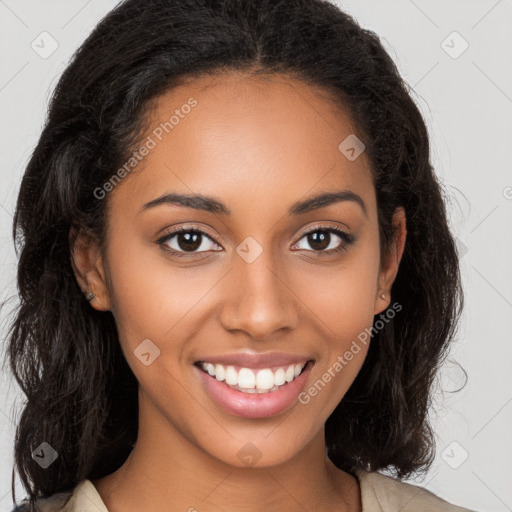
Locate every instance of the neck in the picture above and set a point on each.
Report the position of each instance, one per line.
(165, 469)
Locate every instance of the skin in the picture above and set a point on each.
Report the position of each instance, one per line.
(258, 145)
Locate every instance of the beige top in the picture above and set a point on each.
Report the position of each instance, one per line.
(379, 493)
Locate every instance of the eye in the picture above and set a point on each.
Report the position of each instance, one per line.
(187, 240)
(326, 240)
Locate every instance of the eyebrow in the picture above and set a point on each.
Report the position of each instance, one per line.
(210, 204)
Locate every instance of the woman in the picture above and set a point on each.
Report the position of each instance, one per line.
(228, 233)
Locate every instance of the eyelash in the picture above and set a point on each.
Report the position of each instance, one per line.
(346, 238)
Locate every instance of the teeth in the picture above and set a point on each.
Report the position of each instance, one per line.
(231, 376)
(279, 377)
(246, 378)
(257, 381)
(265, 379)
(219, 372)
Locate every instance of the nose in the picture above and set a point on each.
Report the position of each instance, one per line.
(259, 300)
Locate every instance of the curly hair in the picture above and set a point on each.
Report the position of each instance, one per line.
(65, 355)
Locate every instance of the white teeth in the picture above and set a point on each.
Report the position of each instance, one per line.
(254, 390)
(219, 372)
(253, 381)
(246, 378)
(279, 377)
(231, 376)
(265, 379)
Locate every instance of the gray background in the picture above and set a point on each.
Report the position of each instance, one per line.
(466, 99)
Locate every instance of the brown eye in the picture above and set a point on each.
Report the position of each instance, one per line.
(187, 241)
(319, 240)
(326, 240)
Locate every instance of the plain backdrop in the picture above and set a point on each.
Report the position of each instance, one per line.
(457, 57)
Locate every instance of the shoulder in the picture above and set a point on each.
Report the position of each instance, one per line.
(58, 502)
(382, 493)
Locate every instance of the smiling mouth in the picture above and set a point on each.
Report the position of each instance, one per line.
(254, 381)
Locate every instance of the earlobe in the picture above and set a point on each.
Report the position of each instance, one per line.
(389, 269)
(88, 267)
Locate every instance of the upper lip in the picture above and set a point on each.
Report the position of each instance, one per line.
(256, 360)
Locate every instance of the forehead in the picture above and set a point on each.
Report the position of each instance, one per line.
(249, 138)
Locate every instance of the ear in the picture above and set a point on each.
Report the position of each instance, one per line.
(391, 262)
(88, 266)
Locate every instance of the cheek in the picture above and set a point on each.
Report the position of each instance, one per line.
(152, 301)
(147, 297)
(343, 301)
(151, 297)
(343, 297)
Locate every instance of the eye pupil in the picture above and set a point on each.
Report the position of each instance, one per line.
(319, 239)
(192, 240)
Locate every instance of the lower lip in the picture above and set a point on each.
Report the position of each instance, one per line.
(254, 405)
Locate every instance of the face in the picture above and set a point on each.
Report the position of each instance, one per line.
(253, 284)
